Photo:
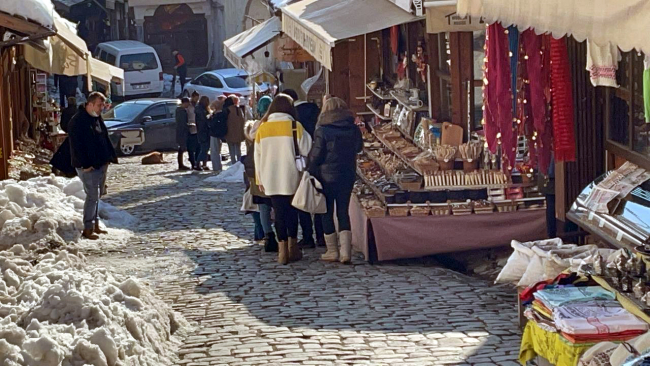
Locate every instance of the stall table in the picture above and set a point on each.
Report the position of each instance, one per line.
(390, 237)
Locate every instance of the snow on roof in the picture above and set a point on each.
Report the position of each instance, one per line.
(38, 11)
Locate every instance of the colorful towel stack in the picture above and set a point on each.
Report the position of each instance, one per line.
(586, 314)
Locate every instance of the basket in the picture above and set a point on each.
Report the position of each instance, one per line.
(419, 211)
(446, 165)
(399, 211)
(470, 166)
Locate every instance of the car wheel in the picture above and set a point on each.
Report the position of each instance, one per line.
(127, 149)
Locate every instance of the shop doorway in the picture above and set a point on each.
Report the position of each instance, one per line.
(176, 27)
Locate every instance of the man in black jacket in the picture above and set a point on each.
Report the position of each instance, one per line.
(308, 113)
(91, 151)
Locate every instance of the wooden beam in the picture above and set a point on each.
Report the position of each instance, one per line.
(22, 26)
(462, 69)
(434, 75)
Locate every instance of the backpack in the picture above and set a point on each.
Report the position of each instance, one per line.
(218, 124)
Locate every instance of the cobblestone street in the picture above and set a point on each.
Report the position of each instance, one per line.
(194, 246)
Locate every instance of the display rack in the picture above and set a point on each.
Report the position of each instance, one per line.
(378, 113)
(406, 161)
(378, 95)
(403, 100)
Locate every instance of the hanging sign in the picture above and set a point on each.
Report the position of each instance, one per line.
(441, 19)
(308, 40)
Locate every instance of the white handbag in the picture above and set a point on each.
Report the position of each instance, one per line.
(247, 204)
(308, 197)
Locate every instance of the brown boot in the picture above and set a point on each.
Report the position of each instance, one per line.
(88, 234)
(283, 252)
(295, 254)
(98, 230)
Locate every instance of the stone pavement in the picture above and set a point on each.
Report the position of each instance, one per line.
(194, 247)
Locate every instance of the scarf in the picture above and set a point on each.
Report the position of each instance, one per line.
(562, 102)
(497, 96)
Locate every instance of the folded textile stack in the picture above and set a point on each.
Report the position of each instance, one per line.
(585, 314)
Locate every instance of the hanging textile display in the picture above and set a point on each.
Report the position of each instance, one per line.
(497, 96)
(513, 44)
(536, 101)
(602, 63)
(562, 102)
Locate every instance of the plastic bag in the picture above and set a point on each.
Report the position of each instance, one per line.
(247, 203)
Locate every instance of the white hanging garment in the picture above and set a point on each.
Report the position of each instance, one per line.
(602, 63)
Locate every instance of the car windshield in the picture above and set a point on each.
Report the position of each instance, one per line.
(139, 62)
(124, 111)
(237, 81)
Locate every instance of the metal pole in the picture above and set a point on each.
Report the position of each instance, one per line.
(327, 81)
(365, 67)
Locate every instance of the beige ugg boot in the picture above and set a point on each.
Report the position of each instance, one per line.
(283, 252)
(332, 254)
(345, 237)
(295, 254)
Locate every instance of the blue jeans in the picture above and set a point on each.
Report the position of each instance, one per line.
(265, 217)
(259, 232)
(203, 152)
(93, 182)
(235, 152)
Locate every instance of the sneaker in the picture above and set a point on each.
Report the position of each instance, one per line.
(183, 168)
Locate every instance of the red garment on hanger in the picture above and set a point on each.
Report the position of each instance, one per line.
(562, 102)
(497, 95)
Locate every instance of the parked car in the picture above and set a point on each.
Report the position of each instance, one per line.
(218, 82)
(156, 118)
(143, 74)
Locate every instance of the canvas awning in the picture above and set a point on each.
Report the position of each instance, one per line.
(442, 17)
(623, 23)
(67, 54)
(316, 25)
(247, 42)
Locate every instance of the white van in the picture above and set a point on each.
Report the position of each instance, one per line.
(143, 74)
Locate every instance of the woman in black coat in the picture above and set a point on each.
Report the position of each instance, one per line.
(202, 111)
(332, 160)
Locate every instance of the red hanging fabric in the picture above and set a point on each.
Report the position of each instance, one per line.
(536, 51)
(497, 96)
(562, 102)
(394, 39)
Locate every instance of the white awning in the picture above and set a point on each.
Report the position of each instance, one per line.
(623, 23)
(316, 25)
(247, 42)
(67, 54)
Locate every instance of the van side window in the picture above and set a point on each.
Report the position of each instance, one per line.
(102, 55)
(138, 62)
(110, 59)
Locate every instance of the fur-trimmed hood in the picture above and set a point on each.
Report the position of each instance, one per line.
(337, 117)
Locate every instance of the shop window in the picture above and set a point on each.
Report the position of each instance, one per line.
(628, 132)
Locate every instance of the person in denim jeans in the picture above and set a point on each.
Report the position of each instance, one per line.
(91, 151)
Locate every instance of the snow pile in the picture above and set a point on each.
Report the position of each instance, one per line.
(40, 11)
(48, 210)
(59, 311)
(234, 174)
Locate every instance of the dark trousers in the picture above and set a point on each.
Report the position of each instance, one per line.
(194, 149)
(181, 152)
(203, 153)
(182, 75)
(551, 221)
(286, 217)
(307, 225)
(338, 198)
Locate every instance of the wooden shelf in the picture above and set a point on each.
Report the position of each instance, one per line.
(377, 113)
(406, 161)
(405, 102)
(375, 190)
(380, 96)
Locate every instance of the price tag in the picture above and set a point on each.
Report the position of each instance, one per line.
(591, 215)
(619, 236)
(602, 223)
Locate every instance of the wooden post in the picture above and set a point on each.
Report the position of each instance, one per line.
(434, 85)
(462, 70)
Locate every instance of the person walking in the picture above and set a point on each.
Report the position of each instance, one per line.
(193, 146)
(182, 131)
(308, 116)
(235, 135)
(181, 70)
(280, 138)
(91, 151)
(332, 161)
(262, 201)
(218, 127)
(203, 112)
